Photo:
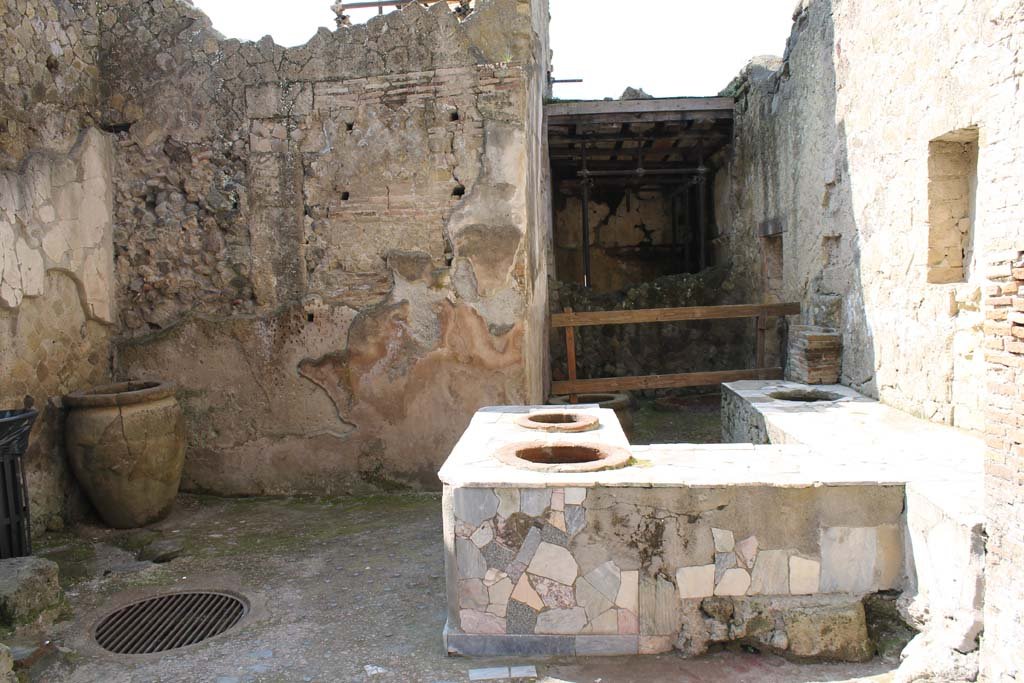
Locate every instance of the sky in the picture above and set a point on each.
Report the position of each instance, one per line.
(667, 47)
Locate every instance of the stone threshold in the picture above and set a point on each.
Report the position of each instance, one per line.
(513, 645)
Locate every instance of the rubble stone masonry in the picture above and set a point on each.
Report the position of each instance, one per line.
(863, 142)
(332, 248)
(1004, 467)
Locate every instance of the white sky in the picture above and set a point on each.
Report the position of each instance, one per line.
(666, 47)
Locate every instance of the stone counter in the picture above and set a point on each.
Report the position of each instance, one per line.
(684, 547)
(941, 467)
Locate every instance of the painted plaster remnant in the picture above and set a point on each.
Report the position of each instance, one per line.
(56, 215)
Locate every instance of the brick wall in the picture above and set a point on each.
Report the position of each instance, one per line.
(1004, 467)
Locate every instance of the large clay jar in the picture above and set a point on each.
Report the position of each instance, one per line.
(126, 444)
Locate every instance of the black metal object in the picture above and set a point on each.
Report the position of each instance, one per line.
(169, 621)
(15, 537)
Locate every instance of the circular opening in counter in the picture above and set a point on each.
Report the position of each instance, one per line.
(560, 421)
(805, 395)
(563, 457)
(559, 455)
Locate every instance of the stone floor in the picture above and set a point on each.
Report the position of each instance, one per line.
(343, 590)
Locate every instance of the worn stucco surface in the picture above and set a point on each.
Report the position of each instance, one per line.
(833, 142)
(332, 248)
(56, 252)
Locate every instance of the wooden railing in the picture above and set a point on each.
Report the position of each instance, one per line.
(570, 320)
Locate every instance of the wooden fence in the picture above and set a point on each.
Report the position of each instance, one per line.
(758, 312)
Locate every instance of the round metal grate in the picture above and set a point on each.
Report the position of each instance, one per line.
(166, 622)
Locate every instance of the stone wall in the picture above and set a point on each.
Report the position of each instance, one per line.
(833, 143)
(630, 233)
(849, 143)
(56, 252)
(332, 248)
(49, 88)
(1004, 437)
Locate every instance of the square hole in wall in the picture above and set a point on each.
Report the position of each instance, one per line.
(952, 188)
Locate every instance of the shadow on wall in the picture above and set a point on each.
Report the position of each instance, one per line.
(794, 232)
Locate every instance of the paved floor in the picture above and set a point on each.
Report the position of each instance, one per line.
(342, 590)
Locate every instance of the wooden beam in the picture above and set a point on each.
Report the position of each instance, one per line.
(761, 323)
(676, 381)
(670, 104)
(570, 354)
(565, 139)
(628, 155)
(667, 315)
(640, 117)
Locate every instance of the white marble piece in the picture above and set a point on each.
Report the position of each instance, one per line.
(628, 596)
(554, 562)
(770, 575)
(724, 540)
(804, 575)
(696, 582)
(575, 495)
(522, 672)
(848, 559)
(734, 582)
(692, 465)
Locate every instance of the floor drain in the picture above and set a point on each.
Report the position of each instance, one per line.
(167, 622)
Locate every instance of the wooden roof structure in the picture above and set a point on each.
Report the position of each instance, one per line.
(650, 140)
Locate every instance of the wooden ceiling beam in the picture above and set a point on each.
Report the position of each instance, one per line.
(637, 118)
(615, 107)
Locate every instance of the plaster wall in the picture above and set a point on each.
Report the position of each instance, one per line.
(332, 248)
(622, 253)
(833, 142)
(56, 251)
(56, 298)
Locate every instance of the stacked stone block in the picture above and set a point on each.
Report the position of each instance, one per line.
(814, 354)
(1004, 466)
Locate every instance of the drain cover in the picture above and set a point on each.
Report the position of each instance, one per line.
(170, 621)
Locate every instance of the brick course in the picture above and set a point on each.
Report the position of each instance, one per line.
(1004, 466)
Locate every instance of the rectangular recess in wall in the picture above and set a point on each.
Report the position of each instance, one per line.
(952, 186)
(772, 264)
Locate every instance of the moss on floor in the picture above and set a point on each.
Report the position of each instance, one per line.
(73, 554)
(678, 419)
